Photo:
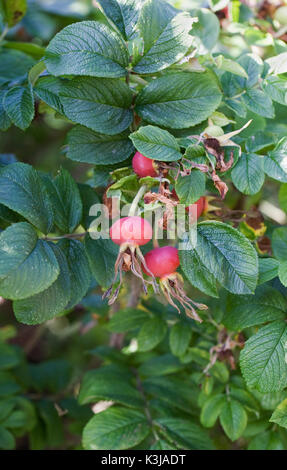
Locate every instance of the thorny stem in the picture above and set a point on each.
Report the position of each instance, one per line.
(135, 203)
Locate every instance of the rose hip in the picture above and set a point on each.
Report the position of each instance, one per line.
(133, 230)
(144, 166)
(162, 261)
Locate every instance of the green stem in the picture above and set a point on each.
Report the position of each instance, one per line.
(135, 203)
(4, 32)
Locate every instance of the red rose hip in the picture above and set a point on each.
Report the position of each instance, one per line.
(133, 230)
(201, 206)
(144, 166)
(162, 261)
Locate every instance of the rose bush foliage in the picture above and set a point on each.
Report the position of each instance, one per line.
(202, 93)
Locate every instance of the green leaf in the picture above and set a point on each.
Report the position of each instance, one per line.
(211, 410)
(275, 163)
(197, 273)
(233, 419)
(253, 66)
(14, 64)
(282, 272)
(263, 358)
(280, 415)
(5, 121)
(67, 204)
(52, 376)
(124, 14)
(279, 243)
(30, 272)
(79, 270)
(231, 66)
(161, 365)
(48, 89)
(179, 100)
(109, 383)
(102, 255)
(151, 334)
(22, 190)
(29, 48)
(185, 434)
(156, 144)
(259, 102)
(174, 391)
(276, 88)
(88, 48)
(7, 440)
(167, 47)
(16, 243)
(277, 64)
(19, 106)
(207, 29)
(179, 338)
(100, 104)
(248, 174)
(190, 188)
(115, 428)
(49, 303)
(259, 141)
(87, 146)
(266, 441)
(161, 444)
(14, 10)
(268, 270)
(126, 320)
(226, 254)
(266, 305)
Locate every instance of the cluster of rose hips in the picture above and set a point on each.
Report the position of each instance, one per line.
(160, 263)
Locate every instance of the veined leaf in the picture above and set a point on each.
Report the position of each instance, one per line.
(100, 104)
(280, 415)
(115, 428)
(226, 254)
(124, 14)
(190, 188)
(185, 433)
(87, 146)
(167, 47)
(248, 174)
(49, 303)
(19, 106)
(151, 333)
(157, 144)
(262, 360)
(233, 419)
(279, 243)
(266, 305)
(275, 163)
(21, 190)
(179, 100)
(88, 48)
(109, 383)
(28, 265)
